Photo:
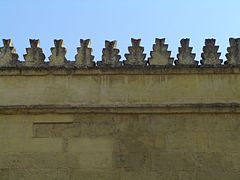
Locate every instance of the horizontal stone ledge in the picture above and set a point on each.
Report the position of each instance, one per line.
(46, 70)
(123, 109)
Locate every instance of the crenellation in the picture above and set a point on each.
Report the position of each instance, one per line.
(233, 55)
(57, 57)
(35, 55)
(84, 57)
(110, 55)
(8, 55)
(185, 55)
(135, 55)
(160, 54)
(210, 55)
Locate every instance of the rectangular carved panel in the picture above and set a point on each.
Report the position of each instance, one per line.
(54, 129)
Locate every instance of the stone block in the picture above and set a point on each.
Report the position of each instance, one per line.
(80, 174)
(94, 160)
(14, 129)
(236, 162)
(181, 142)
(63, 174)
(50, 160)
(4, 174)
(217, 175)
(90, 145)
(30, 174)
(56, 129)
(132, 174)
(227, 141)
(14, 145)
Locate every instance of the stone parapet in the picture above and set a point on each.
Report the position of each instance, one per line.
(159, 56)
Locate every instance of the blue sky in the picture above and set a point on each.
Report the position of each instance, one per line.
(119, 20)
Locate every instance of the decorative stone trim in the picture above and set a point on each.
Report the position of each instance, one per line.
(160, 56)
(8, 55)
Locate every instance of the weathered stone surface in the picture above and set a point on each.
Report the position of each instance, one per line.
(83, 174)
(84, 56)
(58, 54)
(110, 55)
(29, 144)
(120, 124)
(8, 55)
(28, 174)
(39, 160)
(4, 174)
(160, 54)
(219, 141)
(233, 55)
(120, 88)
(136, 55)
(34, 56)
(210, 55)
(125, 146)
(185, 55)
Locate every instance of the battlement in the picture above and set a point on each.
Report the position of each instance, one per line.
(159, 56)
(138, 118)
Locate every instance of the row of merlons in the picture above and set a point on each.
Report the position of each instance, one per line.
(159, 56)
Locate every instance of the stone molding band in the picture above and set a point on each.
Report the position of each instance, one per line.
(220, 108)
(136, 70)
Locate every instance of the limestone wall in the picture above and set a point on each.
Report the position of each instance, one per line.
(121, 147)
(97, 87)
(119, 122)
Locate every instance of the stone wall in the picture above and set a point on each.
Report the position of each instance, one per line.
(130, 121)
(178, 146)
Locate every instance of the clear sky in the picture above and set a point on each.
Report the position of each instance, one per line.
(119, 20)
